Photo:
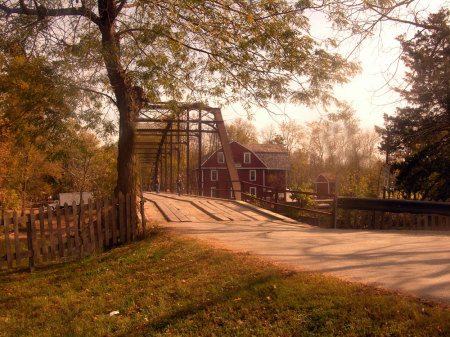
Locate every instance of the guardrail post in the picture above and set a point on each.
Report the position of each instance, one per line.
(335, 204)
(276, 200)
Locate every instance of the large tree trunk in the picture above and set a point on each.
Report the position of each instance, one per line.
(129, 100)
(126, 161)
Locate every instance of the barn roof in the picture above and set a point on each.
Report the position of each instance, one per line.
(274, 156)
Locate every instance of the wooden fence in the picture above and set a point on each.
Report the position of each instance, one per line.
(42, 235)
(372, 213)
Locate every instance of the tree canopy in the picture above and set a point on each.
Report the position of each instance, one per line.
(197, 50)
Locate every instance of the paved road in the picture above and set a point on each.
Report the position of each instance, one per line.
(416, 262)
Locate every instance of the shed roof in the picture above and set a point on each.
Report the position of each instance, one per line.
(328, 176)
(274, 156)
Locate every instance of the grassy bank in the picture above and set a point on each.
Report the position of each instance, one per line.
(169, 285)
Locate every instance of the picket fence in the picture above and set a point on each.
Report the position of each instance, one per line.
(67, 232)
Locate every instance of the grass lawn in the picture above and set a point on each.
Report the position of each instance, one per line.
(171, 285)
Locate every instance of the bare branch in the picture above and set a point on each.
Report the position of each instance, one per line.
(98, 93)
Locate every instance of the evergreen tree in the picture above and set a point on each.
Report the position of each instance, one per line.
(418, 136)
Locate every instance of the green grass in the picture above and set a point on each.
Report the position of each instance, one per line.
(170, 285)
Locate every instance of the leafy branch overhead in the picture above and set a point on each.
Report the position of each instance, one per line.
(197, 50)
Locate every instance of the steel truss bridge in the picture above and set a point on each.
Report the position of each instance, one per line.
(170, 139)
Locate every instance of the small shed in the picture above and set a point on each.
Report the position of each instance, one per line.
(325, 184)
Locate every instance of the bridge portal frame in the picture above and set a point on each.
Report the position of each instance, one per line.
(165, 127)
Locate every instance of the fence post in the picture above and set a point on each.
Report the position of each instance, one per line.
(276, 201)
(335, 211)
(92, 239)
(122, 215)
(143, 219)
(114, 212)
(133, 217)
(67, 223)
(106, 221)
(42, 233)
(59, 230)
(30, 241)
(6, 221)
(16, 238)
(98, 209)
(50, 233)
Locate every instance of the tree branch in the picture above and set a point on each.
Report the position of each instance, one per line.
(98, 93)
(416, 22)
(121, 5)
(42, 11)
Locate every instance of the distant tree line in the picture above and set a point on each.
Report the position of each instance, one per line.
(336, 144)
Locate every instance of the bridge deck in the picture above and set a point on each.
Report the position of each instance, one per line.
(184, 208)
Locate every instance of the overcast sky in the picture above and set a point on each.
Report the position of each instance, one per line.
(369, 92)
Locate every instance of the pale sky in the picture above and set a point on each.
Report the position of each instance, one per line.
(368, 92)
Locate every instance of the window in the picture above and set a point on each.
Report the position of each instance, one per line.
(247, 157)
(252, 175)
(220, 158)
(253, 190)
(232, 193)
(213, 192)
(213, 175)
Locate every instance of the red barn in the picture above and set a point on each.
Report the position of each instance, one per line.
(257, 164)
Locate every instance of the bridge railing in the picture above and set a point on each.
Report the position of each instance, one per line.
(271, 200)
(373, 213)
(362, 213)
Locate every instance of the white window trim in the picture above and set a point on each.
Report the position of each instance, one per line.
(254, 189)
(213, 191)
(212, 175)
(220, 155)
(250, 175)
(249, 157)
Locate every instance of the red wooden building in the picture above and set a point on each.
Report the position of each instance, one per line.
(257, 164)
(325, 184)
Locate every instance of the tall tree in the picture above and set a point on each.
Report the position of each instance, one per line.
(292, 133)
(243, 51)
(35, 107)
(418, 136)
(242, 131)
(270, 135)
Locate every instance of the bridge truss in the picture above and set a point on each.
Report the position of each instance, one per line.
(170, 140)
